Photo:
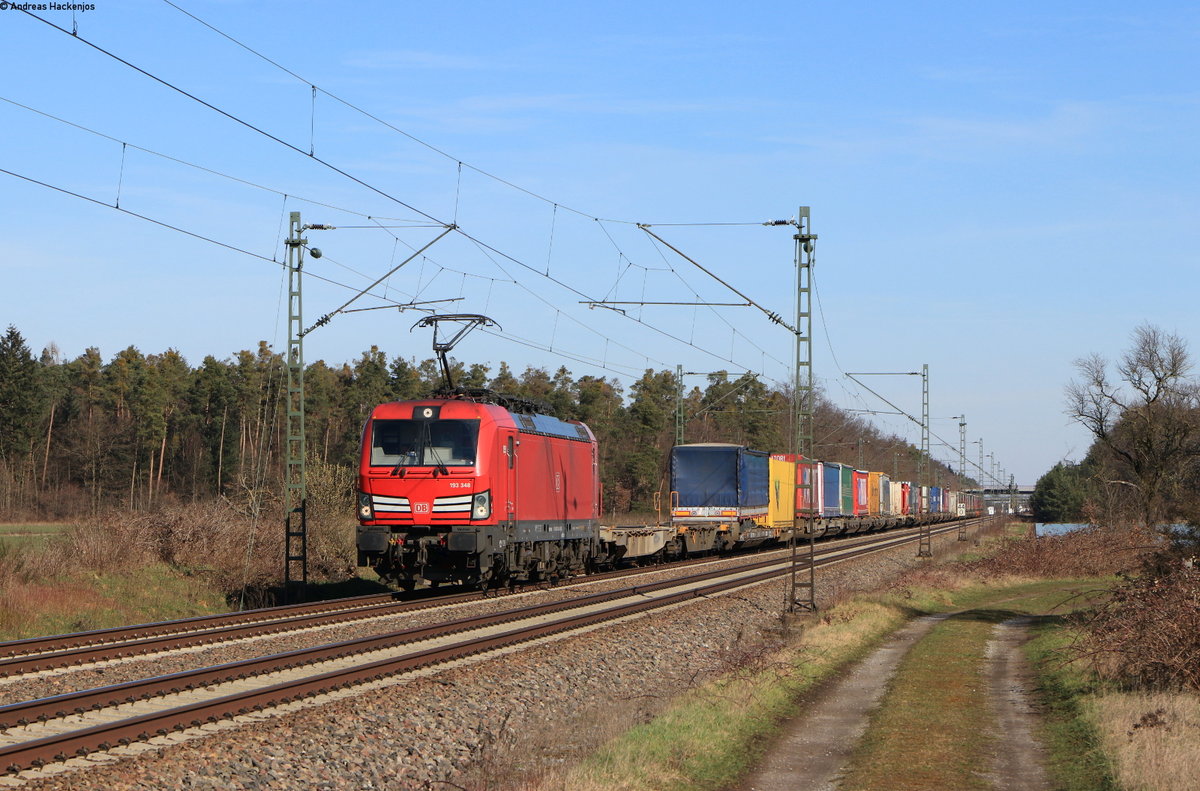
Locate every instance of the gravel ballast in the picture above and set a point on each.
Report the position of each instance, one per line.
(540, 705)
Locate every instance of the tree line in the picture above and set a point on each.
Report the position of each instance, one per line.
(138, 430)
(1143, 414)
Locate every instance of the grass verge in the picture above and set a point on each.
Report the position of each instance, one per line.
(1105, 738)
(1077, 761)
(1151, 739)
(102, 600)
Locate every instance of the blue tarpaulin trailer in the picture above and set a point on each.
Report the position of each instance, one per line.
(715, 482)
(832, 485)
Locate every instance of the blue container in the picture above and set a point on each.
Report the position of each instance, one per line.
(935, 500)
(721, 476)
(831, 489)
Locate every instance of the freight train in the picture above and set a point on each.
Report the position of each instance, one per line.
(482, 490)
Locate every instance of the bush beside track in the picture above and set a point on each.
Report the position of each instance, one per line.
(175, 562)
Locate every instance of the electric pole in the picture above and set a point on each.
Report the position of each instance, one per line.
(962, 450)
(295, 485)
(962, 467)
(925, 541)
(981, 484)
(295, 493)
(802, 593)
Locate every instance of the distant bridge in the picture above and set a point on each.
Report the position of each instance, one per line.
(1001, 498)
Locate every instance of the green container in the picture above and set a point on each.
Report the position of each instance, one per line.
(847, 489)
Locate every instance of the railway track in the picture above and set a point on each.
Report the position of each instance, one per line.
(77, 724)
(47, 653)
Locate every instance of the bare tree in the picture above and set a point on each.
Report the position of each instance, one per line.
(1148, 421)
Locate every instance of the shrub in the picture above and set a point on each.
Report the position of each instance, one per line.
(1086, 552)
(1147, 634)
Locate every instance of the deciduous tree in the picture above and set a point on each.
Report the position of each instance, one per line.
(1147, 421)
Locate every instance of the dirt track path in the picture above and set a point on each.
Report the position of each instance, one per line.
(814, 750)
(1020, 759)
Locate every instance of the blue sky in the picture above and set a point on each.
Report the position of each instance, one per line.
(998, 190)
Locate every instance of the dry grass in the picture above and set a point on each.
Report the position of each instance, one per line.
(56, 584)
(25, 607)
(1088, 552)
(1153, 739)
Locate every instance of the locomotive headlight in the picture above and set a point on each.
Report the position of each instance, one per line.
(366, 510)
(481, 505)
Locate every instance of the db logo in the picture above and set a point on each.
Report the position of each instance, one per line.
(420, 508)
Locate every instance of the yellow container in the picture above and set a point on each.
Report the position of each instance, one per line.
(782, 508)
(873, 493)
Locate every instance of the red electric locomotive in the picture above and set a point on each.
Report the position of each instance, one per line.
(475, 489)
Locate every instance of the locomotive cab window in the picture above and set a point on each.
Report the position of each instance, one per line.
(424, 443)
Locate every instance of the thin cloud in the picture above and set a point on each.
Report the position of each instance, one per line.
(413, 59)
(518, 112)
(1066, 123)
(944, 136)
(970, 75)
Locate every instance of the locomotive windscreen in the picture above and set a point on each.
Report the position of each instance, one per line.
(424, 443)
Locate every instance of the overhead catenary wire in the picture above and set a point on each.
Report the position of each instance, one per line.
(326, 318)
(579, 293)
(459, 163)
(691, 343)
(770, 314)
(234, 248)
(912, 418)
(773, 316)
(169, 226)
(343, 172)
(235, 119)
(488, 252)
(604, 365)
(213, 172)
(715, 313)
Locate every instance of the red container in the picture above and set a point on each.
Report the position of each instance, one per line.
(861, 497)
(808, 471)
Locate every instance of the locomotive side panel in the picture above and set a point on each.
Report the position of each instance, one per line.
(557, 488)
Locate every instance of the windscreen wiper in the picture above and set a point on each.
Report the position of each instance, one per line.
(441, 467)
(427, 448)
